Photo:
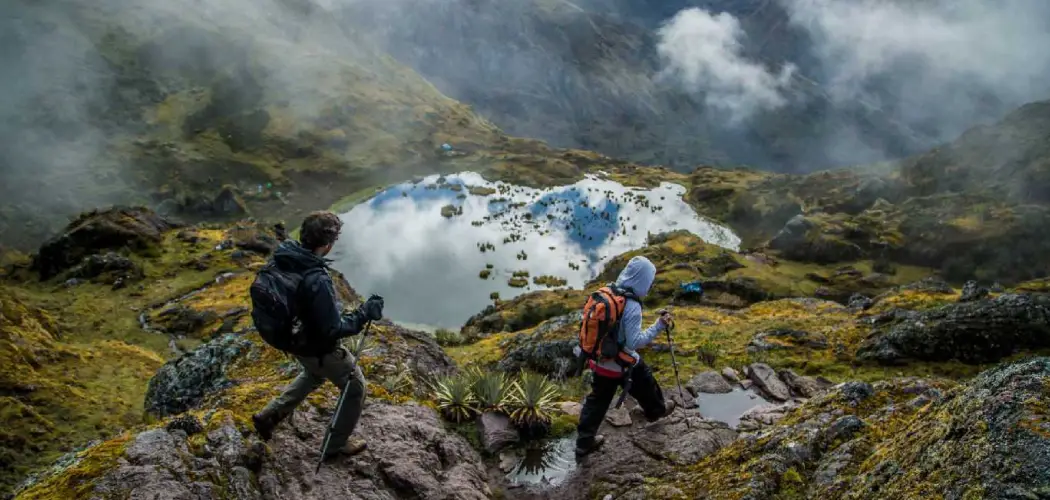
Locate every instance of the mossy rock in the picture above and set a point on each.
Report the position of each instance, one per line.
(134, 228)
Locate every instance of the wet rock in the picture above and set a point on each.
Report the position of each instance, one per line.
(134, 228)
(746, 384)
(183, 382)
(973, 332)
(859, 302)
(710, 382)
(802, 385)
(731, 375)
(972, 292)
(766, 379)
(784, 338)
(496, 431)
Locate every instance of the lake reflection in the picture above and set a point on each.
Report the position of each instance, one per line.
(399, 244)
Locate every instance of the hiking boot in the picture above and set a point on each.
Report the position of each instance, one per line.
(351, 448)
(263, 426)
(581, 452)
(669, 406)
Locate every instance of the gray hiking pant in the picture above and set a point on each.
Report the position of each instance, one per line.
(338, 367)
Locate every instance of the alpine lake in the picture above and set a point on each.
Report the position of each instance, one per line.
(437, 249)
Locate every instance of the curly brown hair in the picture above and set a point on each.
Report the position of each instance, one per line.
(319, 229)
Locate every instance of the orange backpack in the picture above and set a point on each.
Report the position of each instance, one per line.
(599, 330)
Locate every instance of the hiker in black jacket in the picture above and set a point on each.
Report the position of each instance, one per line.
(323, 325)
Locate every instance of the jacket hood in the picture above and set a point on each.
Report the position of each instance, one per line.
(291, 256)
(638, 276)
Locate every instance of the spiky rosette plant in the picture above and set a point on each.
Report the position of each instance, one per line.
(532, 403)
(455, 398)
(492, 390)
(358, 345)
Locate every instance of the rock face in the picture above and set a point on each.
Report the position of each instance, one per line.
(973, 332)
(710, 382)
(410, 455)
(182, 383)
(135, 228)
(766, 379)
(901, 438)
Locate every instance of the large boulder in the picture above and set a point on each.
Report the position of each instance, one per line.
(496, 431)
(183, 382)
(982, 331)
(765, 378)
(132, 228)
(708, 382)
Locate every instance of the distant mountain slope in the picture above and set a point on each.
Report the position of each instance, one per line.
(120, 101)
(585, 75)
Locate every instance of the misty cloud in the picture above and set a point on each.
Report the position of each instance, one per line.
(940, 65)
(704, 52)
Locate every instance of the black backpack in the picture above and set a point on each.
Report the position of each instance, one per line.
(275, 308)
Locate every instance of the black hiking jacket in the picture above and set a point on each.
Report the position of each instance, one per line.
(323, 323)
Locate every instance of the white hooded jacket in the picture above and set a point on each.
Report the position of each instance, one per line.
(638, 277)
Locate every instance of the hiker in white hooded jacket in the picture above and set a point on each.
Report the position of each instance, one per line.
(637, 277)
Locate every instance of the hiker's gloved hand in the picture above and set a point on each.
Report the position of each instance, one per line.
(666, 318)
(373, 308)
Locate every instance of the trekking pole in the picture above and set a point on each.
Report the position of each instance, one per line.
(338, 409)
(674, 362)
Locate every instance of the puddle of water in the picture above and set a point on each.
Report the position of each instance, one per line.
(730, 406)
(544, 463)
(399, 245)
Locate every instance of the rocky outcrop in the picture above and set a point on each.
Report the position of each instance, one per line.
(410, 455)
(766, 379)
(802, 385)
(532, 352)
(109, 268)
(639, 449)
(973, 332)
(802, 239)
(133, 228)
(182, 383)
(709, 382)
(899, 438)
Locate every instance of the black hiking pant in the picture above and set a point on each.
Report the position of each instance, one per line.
(644, 389)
